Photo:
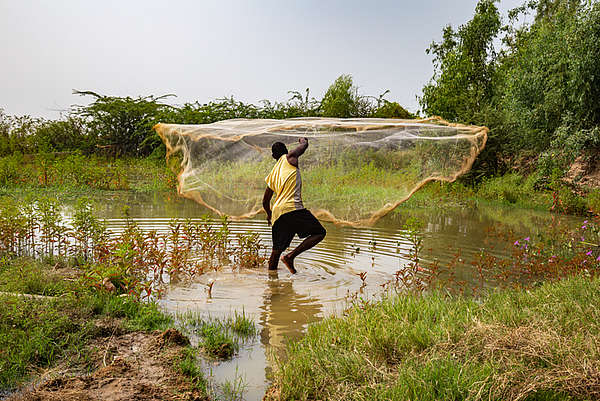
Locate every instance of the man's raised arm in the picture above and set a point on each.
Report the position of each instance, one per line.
(292, 156)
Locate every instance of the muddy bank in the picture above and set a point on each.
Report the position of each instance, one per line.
(126, 366)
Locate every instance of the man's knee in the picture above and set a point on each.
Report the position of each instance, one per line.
(275, 254)
(323, 233)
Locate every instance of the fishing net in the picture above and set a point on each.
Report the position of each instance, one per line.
(354, 170)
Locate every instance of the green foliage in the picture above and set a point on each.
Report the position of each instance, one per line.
(509, 188)
(220, 338)
(434, 347)
(241, 324)
(188, 365)
(5, 125)
(593, 201)
(123, 125)
(568, 144)
(77, 171)
(10, 169)
(343, 100)
(217, 342)
(64, 135)
(392, 110)
(465, 63)
(29, 276)
(35, 333)
(537, 93)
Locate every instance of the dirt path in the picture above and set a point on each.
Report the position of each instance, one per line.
(129, 366)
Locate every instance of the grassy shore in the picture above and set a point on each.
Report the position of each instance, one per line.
(71, 176)
(534, 345)
(58, 330)
(54, 327)
(75, 172)
(513, 190)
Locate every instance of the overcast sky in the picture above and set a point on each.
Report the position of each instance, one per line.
(202, 50)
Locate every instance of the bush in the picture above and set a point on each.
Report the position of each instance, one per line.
(10, 167)
(392, 110)
(343, 100)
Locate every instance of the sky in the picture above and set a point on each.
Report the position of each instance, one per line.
(202, 50)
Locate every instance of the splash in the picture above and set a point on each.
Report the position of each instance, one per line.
(354, 172)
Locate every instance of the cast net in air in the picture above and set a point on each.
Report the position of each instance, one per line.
(354, 170)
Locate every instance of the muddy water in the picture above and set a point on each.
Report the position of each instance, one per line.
(283, 305)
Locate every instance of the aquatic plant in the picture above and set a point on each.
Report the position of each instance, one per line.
(557, 253)
(134, 262)
(220, 338)
(248, 252)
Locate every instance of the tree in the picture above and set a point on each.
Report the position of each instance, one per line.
(123, 124)
(464, 66)
(343, 100)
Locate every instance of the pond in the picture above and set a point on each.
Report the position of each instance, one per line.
(329, 275)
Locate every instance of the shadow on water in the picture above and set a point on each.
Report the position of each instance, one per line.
(283, 305)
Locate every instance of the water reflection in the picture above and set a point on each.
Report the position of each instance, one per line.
(285, 313)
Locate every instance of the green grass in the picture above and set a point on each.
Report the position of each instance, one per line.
(217, 342)
(511, 190)
(188, 366)
(220, 338)
(241, 324)
(538, 345)
(31, 276)
(367, 187)
(35, 333)
(74, 173)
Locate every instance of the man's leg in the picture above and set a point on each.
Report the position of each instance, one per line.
(305, 245)
(274, 259)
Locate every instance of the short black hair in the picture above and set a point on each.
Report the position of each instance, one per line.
(278, 149)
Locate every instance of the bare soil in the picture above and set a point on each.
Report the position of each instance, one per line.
(127, 366)
(584, 172)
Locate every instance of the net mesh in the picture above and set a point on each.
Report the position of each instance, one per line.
(354, 171)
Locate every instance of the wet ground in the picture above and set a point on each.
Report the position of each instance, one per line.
(283, 305)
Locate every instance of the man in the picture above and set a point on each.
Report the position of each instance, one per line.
(289, 216)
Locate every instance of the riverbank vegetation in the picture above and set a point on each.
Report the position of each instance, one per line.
(513, 345)
(524, 328)
(537, 91)
(69, 289)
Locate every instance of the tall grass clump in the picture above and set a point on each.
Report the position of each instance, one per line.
(188, 365)
(219, 338)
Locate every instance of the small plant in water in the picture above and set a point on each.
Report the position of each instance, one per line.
(209, 288)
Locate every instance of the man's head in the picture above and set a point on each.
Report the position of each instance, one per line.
(278, 149)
